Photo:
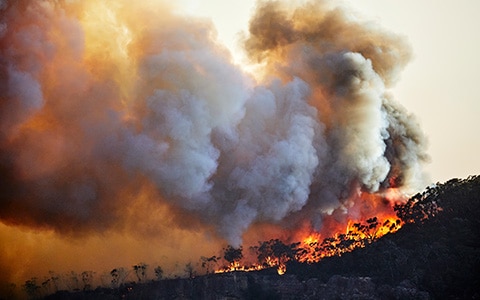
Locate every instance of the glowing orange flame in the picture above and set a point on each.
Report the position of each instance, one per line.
(355, 233)
(238, 267)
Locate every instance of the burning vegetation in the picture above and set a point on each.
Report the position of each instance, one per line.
(275, 253)
(337, 237)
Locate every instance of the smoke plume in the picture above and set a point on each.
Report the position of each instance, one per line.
(103, 103)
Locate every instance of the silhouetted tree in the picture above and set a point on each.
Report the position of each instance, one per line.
(31, 287)
(274, 252)
(158, 273)
(115, 275)
(140, 271)
(87, 279)
(189, 270)
(118, 276)
(209, 263)
(232, 255)
(420, 207)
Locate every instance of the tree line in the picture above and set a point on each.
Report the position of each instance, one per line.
(437, 249)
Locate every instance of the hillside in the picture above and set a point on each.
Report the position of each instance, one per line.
(435, 255)
(437, 250)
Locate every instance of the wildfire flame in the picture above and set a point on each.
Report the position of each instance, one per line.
(357, 235)
(237, 266)
(314, 246)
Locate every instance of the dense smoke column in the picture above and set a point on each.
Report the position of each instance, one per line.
(370, 142)
(103, 100)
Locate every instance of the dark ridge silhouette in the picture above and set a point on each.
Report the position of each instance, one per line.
(435, 255)
(437, 250)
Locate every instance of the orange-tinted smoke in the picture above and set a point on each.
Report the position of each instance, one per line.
(109, 108)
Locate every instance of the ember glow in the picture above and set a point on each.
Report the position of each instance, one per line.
(129, 118)
(314, 246)
(356, 235)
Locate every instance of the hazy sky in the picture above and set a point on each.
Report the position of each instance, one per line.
(439, 86)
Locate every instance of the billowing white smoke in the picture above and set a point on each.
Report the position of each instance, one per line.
(359, 124)
(82, 127)
(272, 158)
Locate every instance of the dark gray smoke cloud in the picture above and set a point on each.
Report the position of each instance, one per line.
(100, 99)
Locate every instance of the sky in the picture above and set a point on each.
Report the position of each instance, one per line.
(438, 86)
